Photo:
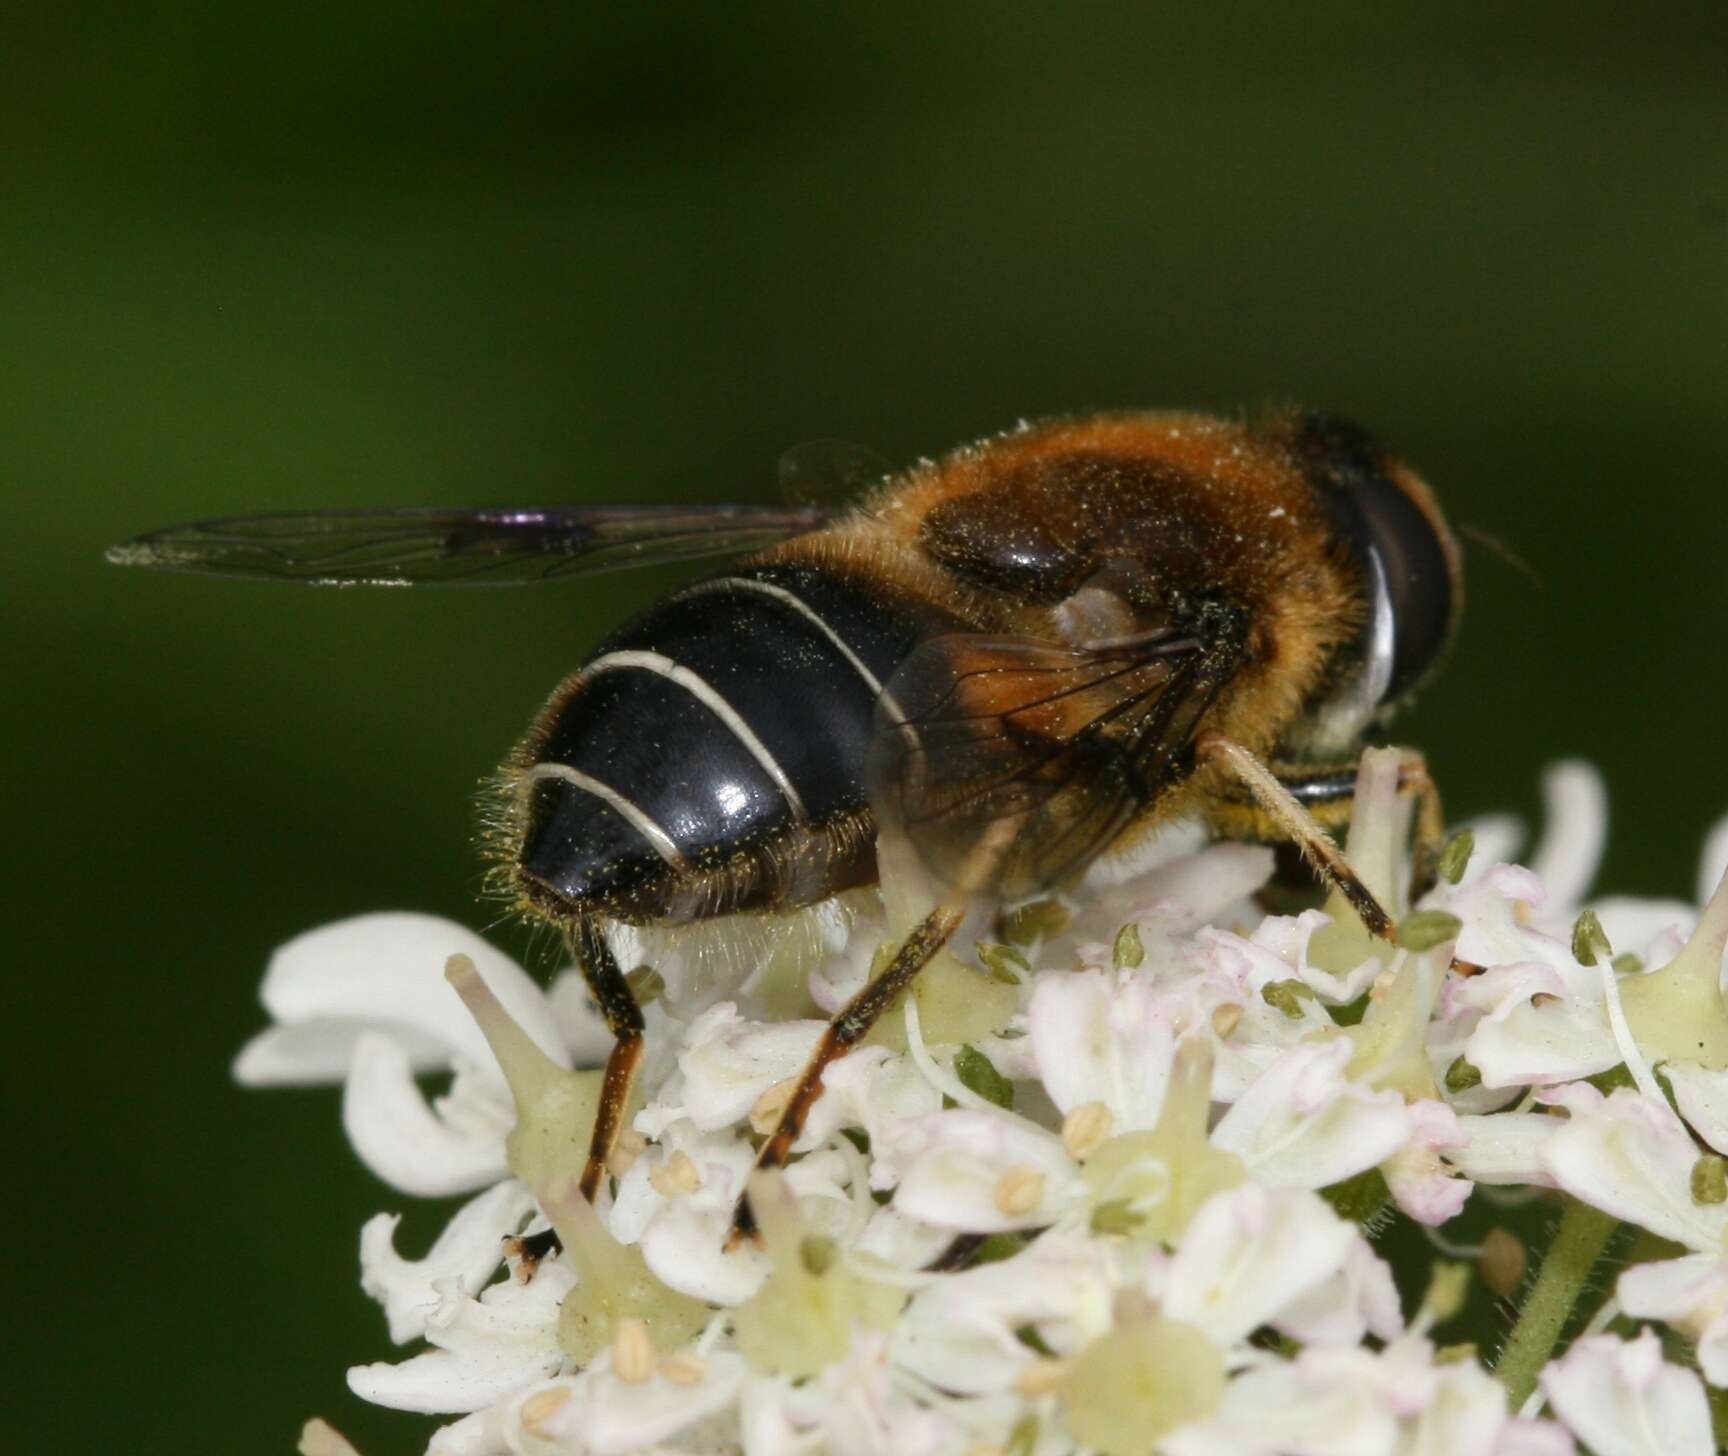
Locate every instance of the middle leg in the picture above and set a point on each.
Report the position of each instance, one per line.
(844, 1032)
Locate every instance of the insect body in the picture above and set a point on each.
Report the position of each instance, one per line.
(710, 757)
(1021, 656)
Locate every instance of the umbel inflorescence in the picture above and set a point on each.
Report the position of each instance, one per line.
(1141, 1178)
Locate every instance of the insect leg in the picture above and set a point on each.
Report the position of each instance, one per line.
(1429, 837)
(849, 1027)
(608, 986)
(1295, 823)
(1328, 792)
(624, 1020)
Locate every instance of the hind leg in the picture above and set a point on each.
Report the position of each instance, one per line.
(617, 1002)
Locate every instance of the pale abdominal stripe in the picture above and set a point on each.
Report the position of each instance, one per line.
(805, 610)
(704, 693)
(638, 820)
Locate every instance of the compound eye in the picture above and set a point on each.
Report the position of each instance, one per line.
(1391, 525)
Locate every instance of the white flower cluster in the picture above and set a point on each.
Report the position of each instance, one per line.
(1097, 1191)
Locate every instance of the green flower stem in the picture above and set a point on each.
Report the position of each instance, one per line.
(1578, 1243)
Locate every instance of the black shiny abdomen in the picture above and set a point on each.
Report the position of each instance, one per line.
(761, 644)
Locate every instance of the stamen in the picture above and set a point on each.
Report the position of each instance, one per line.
(1041, 1377)
(540, 1407)
(1623, 1038)
(676, 1177)
(1085, 1129)
(1019, 1191)
(684, 1367)
(771, 1106)
(633, 1356)
(948, 1086)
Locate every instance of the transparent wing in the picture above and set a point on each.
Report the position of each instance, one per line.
(1010, 764)
(501, 547)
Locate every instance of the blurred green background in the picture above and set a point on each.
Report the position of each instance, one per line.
(377, 253)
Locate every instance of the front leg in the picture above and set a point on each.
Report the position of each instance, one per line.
(1327, 792)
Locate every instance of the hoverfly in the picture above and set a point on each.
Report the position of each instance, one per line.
(1034, 650)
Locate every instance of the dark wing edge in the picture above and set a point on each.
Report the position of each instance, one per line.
(502, 547)
(1009, 765)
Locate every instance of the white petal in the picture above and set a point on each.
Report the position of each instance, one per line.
(1534, 1438)
(388, 969)
(1423, 1186)
(871, 1090)
(320, 1438)
(1287, 937)
(1248, 1254)
(1504, 1147)
(1499, 837)
(1690, 1293)
(400, 1139)
(951, 1167)
(961, 1333)
(485, 1348)
(468, 1250)
(685, 1247)
(1465, 1413)
(1644, 926)
(1622, 1399)
(901, 1242)
(1301, 1124)
(581, 1027)
(1103, 1037)
(1500, 990)
(1713, 862)
(480, 1434)
(1669, 1288)
(304, 1053)
(728, 1062)
(1558, 1041)
(722, 1161)
(606, 1416)
(1359, 1299)
(1632, 1157)
(1495, 908)
(1192, 889)
(1701, 1094)
(1315, 1407)
(1574, 829)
